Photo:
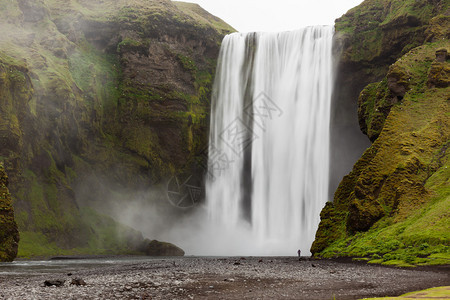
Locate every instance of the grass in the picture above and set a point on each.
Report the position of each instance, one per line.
(106, 237)
(373, 27)
(433, 293)
(203, 17)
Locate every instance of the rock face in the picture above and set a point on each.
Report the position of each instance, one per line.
(98, 98)
(9, 235)
(393, 205)
(369, 38)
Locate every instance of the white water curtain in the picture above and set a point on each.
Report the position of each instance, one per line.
(284, 128)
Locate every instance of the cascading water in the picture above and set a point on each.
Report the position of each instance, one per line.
(269, 141)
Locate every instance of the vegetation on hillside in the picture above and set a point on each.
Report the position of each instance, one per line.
(9, 235)
(98, 98)
(393, 207)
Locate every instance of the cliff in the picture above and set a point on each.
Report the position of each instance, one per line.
(9, 235)
(392, 208)
(369, 38)
(97, 99)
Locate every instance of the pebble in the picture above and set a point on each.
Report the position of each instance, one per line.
(157, 279)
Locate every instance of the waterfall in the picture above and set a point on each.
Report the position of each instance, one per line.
(269, 141)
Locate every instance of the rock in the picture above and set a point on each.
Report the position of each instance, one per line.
(368, 39)
(439, 75)
(441, 55)
(78, 281)
(33, 10)
(397, 80)
(55, 282)
(157, 248)
(390, 182)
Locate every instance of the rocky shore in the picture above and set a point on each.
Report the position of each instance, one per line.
(221, 278)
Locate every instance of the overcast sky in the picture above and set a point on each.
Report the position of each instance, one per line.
(276, 15)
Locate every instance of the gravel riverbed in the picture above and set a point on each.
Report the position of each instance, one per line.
(221, 278)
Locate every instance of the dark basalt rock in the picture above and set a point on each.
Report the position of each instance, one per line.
(54, 282)
(78, 281)
(157, 248)
(441, 55)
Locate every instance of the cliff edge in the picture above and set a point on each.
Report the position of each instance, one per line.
(9, 235)
(393, 207)
(100, 100)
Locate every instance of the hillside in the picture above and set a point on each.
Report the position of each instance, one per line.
(97, 100)
(393, 207)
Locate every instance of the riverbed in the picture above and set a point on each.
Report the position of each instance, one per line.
(212, 278)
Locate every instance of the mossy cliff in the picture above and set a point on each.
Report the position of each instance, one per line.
(369, 38)
(393, 207)
(9, 235)
(99, 96)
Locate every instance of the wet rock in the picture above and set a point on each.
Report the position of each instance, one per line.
(78, 281)
(55, 282)
(441, 55)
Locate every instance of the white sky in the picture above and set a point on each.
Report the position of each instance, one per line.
(276, 15)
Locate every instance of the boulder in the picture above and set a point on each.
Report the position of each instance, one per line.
(54, 282)
(157, 248)
(78, 281)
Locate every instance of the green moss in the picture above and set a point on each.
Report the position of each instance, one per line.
(394, 204)
(35, 244)
(187, 63)
(9, 236)
(97, 75)
(106, 237)
(373, 28)
(203, 17)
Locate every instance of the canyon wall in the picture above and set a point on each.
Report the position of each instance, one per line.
(393, 205)
(99, 99)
